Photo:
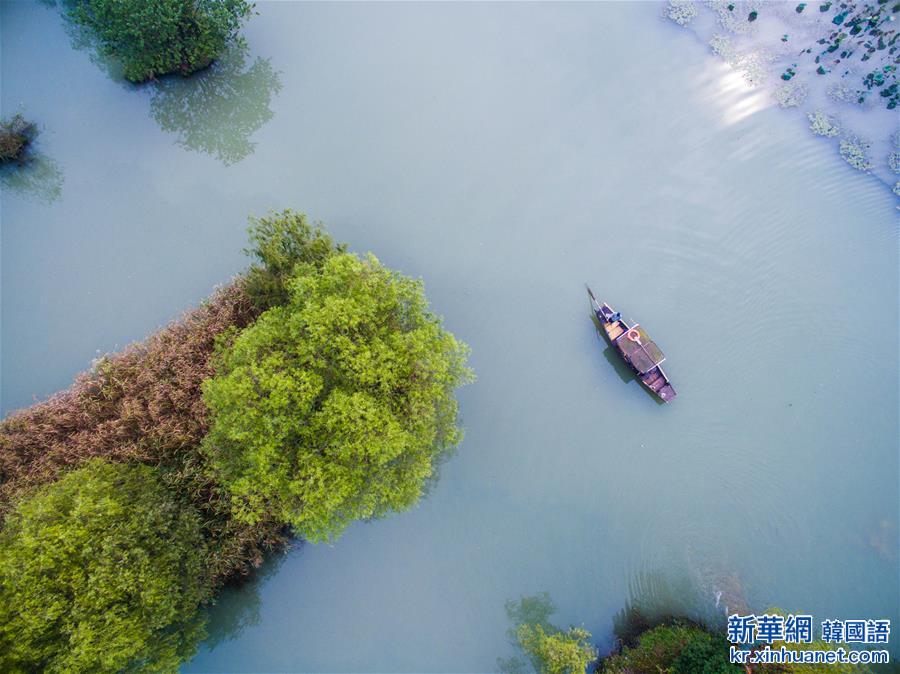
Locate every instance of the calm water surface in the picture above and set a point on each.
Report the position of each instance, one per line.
(506, 153)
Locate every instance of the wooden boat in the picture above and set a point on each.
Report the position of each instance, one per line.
(636, 348)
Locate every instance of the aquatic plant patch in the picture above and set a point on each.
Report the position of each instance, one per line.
(833, 60)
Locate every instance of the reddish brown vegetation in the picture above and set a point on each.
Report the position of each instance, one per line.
(143, 404)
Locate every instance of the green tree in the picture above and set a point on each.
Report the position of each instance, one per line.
(279, 242)
(101, 571)
(549, 649)
(337, 405)
(156, 37)
(555, 651)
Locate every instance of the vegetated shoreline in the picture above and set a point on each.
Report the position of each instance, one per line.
(314, 390)
(142, 404)
(645, 643)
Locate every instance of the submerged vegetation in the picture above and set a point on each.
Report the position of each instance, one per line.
(22, 168)
(218, 111)
(331, 390)
(159, 37)
(836, 61)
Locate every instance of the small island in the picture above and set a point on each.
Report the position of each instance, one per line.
(16, 134)
(315, 390)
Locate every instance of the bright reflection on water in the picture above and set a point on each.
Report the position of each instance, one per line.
(507, 153)
(733, 96)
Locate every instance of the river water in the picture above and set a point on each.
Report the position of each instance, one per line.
(507, 154)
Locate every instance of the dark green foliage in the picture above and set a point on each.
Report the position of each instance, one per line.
(677, 648)
(280, 242)
(157, 37)
(705, 654)
(15, 135)
(101, 571)
(338, 405)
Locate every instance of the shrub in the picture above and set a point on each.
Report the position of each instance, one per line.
(15, 135)
(549, 649)
(156, 37)
(100, 571)
(705, 653)
(677, 648)
(338, 405)
(555, 651)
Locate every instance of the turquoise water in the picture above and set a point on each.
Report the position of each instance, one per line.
(507, 154)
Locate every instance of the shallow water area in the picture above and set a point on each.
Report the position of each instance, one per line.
(507, 154)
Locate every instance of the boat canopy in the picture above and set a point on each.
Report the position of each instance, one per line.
(643, 353)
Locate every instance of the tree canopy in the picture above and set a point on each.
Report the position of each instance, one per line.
(555, 651)
(101, 571)
(549, 649)
(156, 37)
(337, 405)
(278, 243)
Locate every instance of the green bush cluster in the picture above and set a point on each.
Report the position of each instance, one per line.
(157, 37)
(686, 648)
(337, 405)
(128, 501)
(677, 648)
(557, 651)
(100, 571)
